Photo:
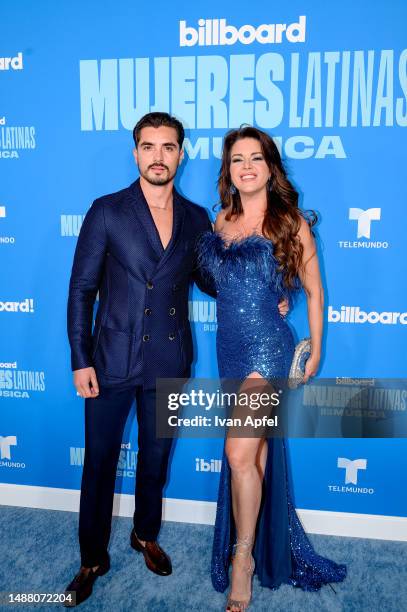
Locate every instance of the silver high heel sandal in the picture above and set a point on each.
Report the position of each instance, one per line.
(245, 543)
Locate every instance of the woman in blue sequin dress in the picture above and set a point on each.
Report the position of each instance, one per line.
(262, 250)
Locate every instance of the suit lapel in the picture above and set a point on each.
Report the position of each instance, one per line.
(177, 225)
(140, 207)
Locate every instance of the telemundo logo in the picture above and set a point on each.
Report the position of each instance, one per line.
(364, 220)
(214, 32)
(354, 314)
(12, 63)
(3, 215)
(6, 442)
(351, 467)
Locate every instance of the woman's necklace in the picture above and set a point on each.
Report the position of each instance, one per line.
(252, 230)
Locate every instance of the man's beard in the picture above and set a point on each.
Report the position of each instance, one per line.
(157, 180)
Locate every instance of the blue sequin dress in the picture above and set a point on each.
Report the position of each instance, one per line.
(253, 337)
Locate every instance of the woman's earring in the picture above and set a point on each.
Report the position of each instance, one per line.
(232, 189)
(270, 184)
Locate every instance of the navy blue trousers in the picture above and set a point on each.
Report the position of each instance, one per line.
(105, 419)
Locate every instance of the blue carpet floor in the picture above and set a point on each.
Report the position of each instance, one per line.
(39, 553)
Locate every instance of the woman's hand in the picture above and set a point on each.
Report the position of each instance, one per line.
(311, 367)
(283, 307)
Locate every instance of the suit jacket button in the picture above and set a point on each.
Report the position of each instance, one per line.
(146, 338)
(147, 311)
(150, 285)
(172, 311)
(171, 336)
(175, 287)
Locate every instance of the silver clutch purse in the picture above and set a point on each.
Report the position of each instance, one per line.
(301, 354)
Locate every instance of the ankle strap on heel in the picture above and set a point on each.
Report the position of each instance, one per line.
(245, 543)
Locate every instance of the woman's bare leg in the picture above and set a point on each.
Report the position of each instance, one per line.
(247, 458)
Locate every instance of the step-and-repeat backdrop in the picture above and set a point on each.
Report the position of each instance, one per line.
(327, 81)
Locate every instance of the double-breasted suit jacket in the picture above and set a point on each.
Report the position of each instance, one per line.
(141, 330)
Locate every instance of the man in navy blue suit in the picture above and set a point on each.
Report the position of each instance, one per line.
(137, 248)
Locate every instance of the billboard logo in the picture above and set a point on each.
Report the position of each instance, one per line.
(2, 211)
(213, 32)
(353, 314)
(15, 63)
(5, 443)
(3, 120)
(214, 465)
(26, 305)
(351, 468)
(8, 364)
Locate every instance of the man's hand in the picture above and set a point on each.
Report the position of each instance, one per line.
(86, 382)
(283, 307)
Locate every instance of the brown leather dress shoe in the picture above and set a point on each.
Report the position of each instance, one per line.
(82, 585)
(156, 559)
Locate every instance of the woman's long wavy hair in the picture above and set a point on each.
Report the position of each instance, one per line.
(283, 217)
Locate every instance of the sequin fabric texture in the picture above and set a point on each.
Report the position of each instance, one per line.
(252, 336)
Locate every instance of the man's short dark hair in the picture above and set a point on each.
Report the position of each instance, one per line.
(157, 120)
